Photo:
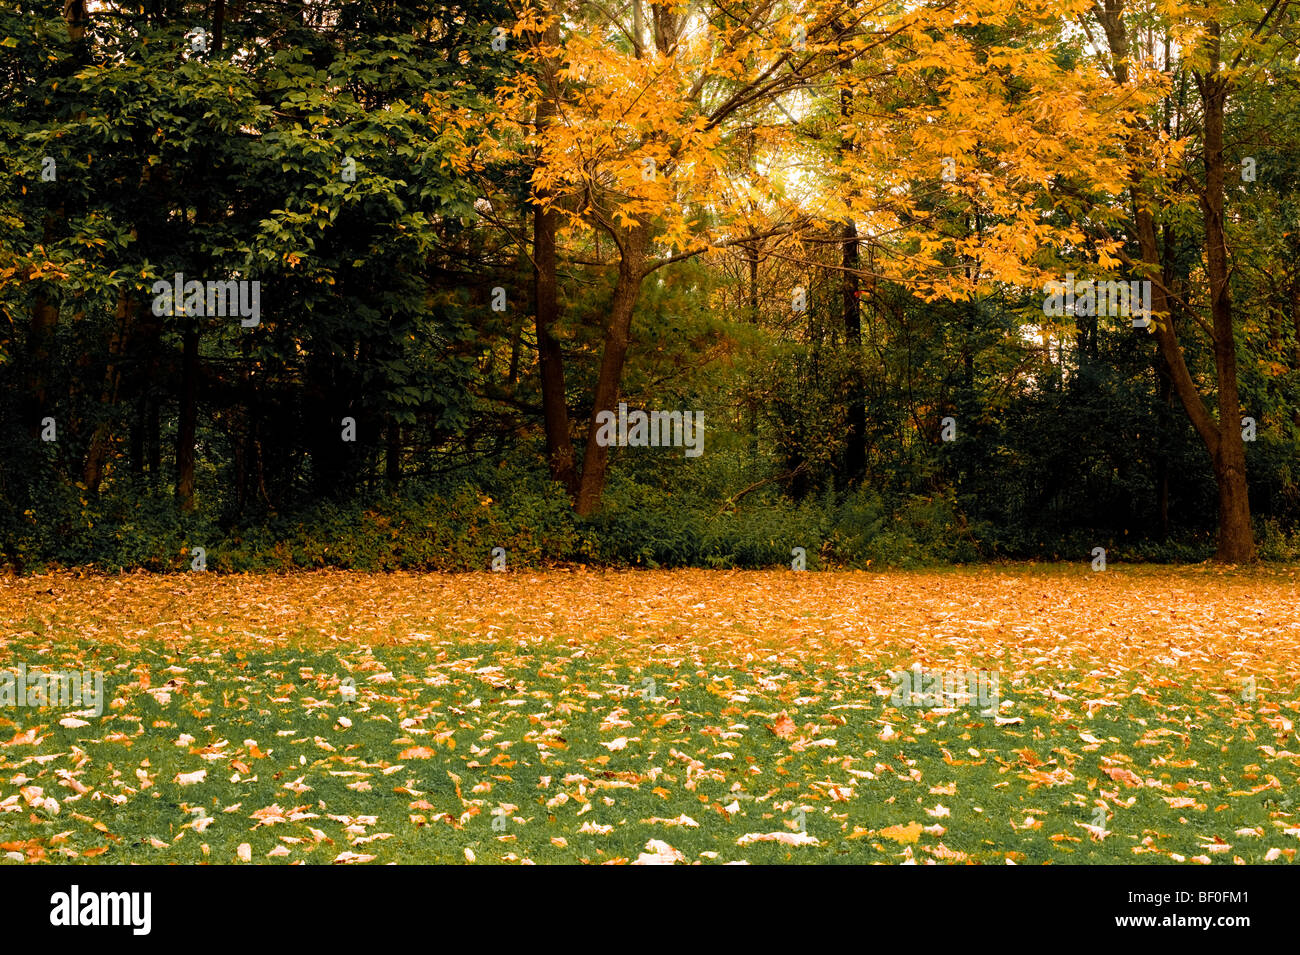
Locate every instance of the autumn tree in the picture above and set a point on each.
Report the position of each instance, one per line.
(1219, 48)
(651, 141)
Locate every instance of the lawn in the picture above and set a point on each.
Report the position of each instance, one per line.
(1143, 715)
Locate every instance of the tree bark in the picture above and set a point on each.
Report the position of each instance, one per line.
(218, 25)
(1236, 537)
(1222, 439)
(555, 410)
(855, 450)
(40, 336)
(595, 459)
(393, 456)
(45, 316)
(153, 441)
(97, 454)
(751, 402)
(187, 423)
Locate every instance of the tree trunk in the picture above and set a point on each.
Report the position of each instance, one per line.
(138, 422)
(555, 410)
(96, 456)
(752, 401)
(218, 25)
(855, 451)
(45, 316)
(1236, 538)
(153, 441)
(1162, 455)
(630, 275)
(1222, 439)
(393, 455)
(74, 15)
(40, 336)
(187, 423)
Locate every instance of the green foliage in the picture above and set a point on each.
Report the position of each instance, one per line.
(376, 308)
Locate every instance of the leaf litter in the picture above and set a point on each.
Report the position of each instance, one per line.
(661, 717)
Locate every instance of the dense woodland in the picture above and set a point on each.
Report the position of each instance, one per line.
(825, 229)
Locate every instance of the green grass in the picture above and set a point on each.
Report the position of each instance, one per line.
(500, 718)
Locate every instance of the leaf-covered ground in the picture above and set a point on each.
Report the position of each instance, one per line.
(656, 716)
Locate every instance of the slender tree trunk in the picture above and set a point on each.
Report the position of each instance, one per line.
(1162, 455)
(74, 15)
(153, 441)
(752, 402)
(187, 418)
(393, 455)
(142, 354)
(1236, 538)
(1222, 439)
(617, 330)
(100, 442)
(555, 410)
(40, 336)
(45, 315)
(137, 437)
(187, 421)
(218, 25)
(855, 451)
